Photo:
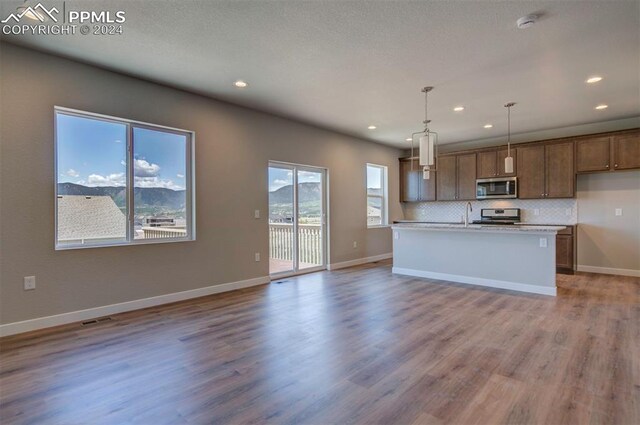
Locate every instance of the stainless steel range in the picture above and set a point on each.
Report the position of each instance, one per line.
(499, 216)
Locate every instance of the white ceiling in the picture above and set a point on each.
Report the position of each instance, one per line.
(347, 64)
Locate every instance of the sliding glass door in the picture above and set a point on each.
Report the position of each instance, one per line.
(297, 218)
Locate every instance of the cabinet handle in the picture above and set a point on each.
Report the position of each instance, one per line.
(607, 165)
(615, 165)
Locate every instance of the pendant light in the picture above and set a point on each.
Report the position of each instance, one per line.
(428, 141)
(508, 161)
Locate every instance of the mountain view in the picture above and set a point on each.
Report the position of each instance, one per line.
(281, 199)
(149, 201)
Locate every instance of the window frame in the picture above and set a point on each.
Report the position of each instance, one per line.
(384, 219)
(190, 183)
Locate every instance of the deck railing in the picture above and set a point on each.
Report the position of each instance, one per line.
(310, 241)
(164, 232)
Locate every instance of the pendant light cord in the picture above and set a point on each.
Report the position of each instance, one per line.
(426, 110)
(509, 131)
(508, 106)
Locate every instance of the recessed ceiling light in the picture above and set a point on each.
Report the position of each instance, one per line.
(240, 84)
(458, 108)
(372, 127)
(408, 139)
(488, 125)
(603, 106)
(593, 79)
(526, 21)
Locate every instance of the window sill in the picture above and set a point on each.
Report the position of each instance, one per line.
(114, 244)
(379, 226)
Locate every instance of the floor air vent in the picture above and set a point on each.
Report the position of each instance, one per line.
(96, 321)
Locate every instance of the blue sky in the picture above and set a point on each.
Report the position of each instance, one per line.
(94, 152)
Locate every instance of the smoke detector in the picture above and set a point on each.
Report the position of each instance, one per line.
(526, 21)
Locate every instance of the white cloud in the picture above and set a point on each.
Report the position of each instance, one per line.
(115, 179)
(72, 173)
(180, 176)
(308, 176)
(157, 182)
(123, 163)
(143, 168)
(118, 141)
(278, 183)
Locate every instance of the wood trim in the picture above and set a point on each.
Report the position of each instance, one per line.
(107, 310)
(357, 262)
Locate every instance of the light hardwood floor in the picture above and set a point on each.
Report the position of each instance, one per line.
(357, 345)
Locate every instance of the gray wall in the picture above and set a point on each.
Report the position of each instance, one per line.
(233, 147)
(604, 239)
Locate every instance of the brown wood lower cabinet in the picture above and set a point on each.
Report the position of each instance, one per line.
(565, 250)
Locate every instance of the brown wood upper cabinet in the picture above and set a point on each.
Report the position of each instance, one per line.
(608, 152)
(593, 154)
(456, 177)
(625, 149)
(546, 171)
(491, 163)
(413, 188)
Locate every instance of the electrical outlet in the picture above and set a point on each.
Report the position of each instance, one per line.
(396, 235)
(355, 244)
(256, 214)
(536, 211)
(29, 283)
(257, 256)
(543, 242)
(618, 212)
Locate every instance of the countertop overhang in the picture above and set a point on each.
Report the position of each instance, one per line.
(484, 228)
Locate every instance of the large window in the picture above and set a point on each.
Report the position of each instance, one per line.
(376, 195)
(121, 182)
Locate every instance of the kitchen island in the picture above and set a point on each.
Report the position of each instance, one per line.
(514, 257)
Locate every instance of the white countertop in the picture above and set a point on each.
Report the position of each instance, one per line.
(489, 228)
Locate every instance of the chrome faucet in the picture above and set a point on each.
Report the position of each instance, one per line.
(467, 208)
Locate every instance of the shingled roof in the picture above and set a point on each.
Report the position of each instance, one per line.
(89, 217)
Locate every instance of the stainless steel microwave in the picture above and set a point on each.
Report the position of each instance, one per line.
(498, 188)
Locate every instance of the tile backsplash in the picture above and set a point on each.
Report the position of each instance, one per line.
(549, 211)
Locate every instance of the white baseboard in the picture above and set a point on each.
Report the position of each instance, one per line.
(609, 270)
(107, 310)
(501, 284)
(357, 262)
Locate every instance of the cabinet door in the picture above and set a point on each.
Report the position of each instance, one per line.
(427, 187)
(446, 181)
(487, 165)
(560, 176)
(409, 183)
(593, 154)
(500, 156)
(466, 165)
(531, 172)
(564, 251)
(626, 151)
